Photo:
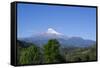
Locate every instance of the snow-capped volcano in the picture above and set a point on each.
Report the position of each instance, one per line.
(42, 38)
(52, 31)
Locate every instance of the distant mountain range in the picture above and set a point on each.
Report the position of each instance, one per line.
(42, 38)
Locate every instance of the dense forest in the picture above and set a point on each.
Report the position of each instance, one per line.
(52, 52)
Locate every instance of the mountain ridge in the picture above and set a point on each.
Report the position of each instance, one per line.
(42, 38)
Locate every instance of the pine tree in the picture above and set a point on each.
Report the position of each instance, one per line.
(51, 52)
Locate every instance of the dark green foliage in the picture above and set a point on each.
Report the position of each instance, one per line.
(51, 52)
(25, 57)
(35, 54)
(29, 55)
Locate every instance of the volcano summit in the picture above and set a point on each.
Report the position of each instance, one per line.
(42, 38)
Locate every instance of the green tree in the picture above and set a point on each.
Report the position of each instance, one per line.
(51, 52)
(24, 57)
(30, 55)
(35, 54)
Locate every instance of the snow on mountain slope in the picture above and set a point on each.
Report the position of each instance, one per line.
(42, 38)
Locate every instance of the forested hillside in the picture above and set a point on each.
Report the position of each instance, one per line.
(52, 52)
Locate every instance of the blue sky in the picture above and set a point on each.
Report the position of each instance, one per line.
(69, 20)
